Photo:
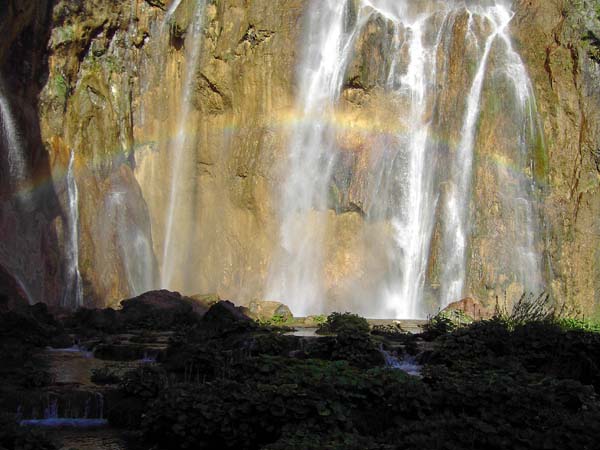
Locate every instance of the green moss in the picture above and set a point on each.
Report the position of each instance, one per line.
(62, 35)
(540, 160)
(277, 320)
(61, 87)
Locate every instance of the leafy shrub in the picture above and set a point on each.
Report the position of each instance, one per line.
(576, 324)
(145, 382)
(540, 348)
(438, 325)
(341, 407)
(393, 331)
(13, 437)
(277, 393)
(337, 322)
(105, 375)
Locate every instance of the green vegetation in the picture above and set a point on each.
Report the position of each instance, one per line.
(61, 87)
(529, 309)
(347, 322)
(13, 437)
(583, 19)
(527, 386)
(277, 321)
(62, 35)
(105, 375)
(527, 380)
(574, 324)
(519, 381)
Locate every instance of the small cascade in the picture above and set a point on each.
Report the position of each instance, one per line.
(407, 364)
(182, 146)
(80, 410)
(25, 290)
(73, 296)
(150, 357)
(13, 140)
(74, 349)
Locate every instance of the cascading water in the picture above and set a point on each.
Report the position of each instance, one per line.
(73, 295)
(404, 172)
(181, 146)
(456, 232)
(16, 157)
(405, 183)
(135, 245)
(296, 274)
(457, 204)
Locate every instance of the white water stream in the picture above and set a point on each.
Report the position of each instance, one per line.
(73, 295)
(405, 185)
(10, 132)
(181, 147)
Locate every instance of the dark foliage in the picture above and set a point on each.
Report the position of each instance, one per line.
(337, 322)
(104, 376)
(13, 437)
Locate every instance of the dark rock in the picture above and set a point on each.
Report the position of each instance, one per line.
(89, 320)
(160, 310)
(153, 300)
(225, 313)
(12, 295)
(201, 303)
(120, 352)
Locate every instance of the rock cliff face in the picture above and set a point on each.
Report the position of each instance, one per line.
(106, 82)
(560, 45)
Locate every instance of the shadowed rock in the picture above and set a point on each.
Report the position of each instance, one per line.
(471, 307)
(12, 296)
(224, 314)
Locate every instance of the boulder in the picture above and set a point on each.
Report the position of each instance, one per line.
(225, 313)
(470, 307)
(267, 310)
(201, 303)
(162, 299)
(12, 295)
(159, 309)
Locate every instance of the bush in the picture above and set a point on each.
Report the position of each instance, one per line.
(575, 324)
(337, 322)
(277, 393)
(540, 348)
(341, 407)
(13, 437)
(438, 325)
(105, 375)
(144, 382)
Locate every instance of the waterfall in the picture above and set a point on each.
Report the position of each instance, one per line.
(134, 244)
(73, 295)
(457, 208)
(415, 184)
(16, 154)
(295, 274)
(181, 146)
(403, 188)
